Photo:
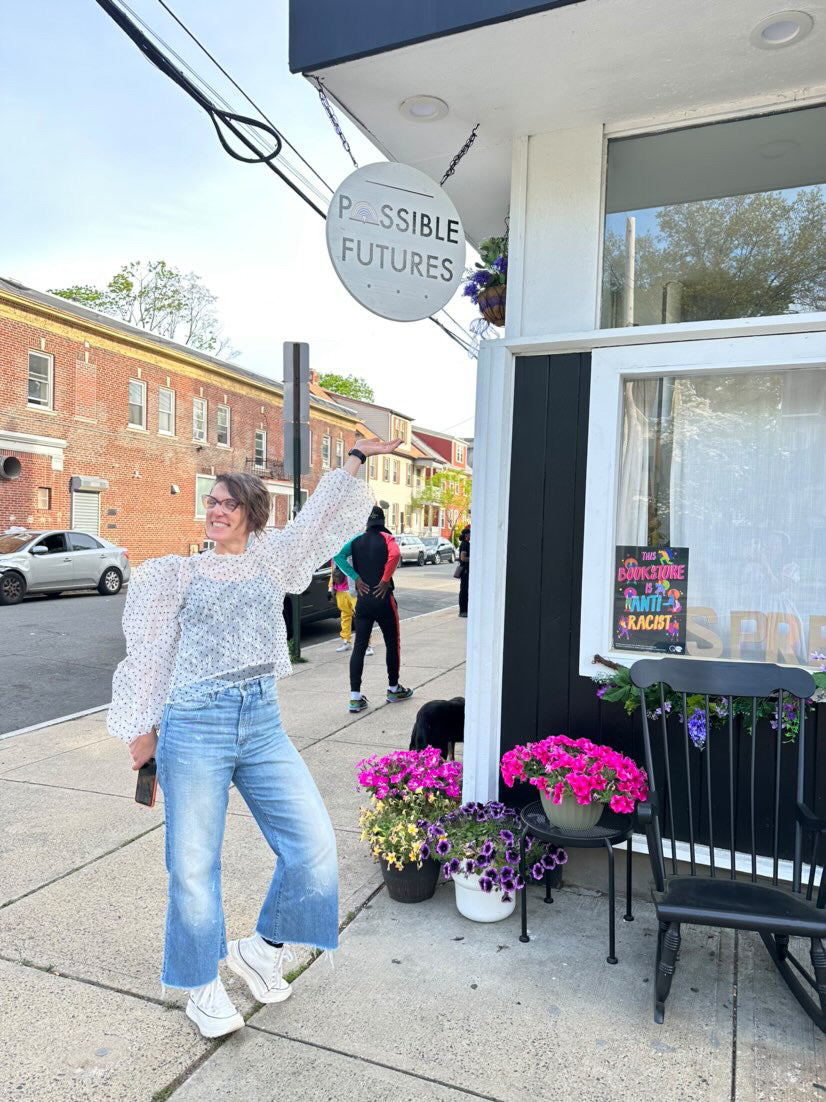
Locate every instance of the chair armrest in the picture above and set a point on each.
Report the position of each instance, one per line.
(645, 813)
(807, 818)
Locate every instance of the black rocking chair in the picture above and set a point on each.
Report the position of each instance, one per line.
(724, 807)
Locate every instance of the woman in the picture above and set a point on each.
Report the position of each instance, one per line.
(205, 641)
(464, 579)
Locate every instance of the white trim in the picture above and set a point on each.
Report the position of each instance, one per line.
(47, 407)
(171, 412)
(35, 445)
(609, 367)
(205, 409)
(516, 235)
(704, 117)
(228, 442)
(144, 427)
(491, 500)
(585, 340)
(742, 861)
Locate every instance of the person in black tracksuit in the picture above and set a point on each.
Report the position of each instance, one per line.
(374, 556)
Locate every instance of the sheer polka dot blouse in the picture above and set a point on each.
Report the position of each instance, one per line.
(191, 619)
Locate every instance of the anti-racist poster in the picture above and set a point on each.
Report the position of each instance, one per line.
(650, 596)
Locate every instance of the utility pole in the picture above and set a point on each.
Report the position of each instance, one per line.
(296, 442)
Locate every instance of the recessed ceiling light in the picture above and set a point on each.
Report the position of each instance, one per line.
(781, 29)
(423, 108)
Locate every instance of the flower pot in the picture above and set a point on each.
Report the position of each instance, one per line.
(491, 303)
(570, 815)
(477, 905)
(411, 884)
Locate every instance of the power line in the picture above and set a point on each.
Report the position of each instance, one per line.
(246, 130)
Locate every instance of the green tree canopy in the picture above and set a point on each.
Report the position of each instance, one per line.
(160, 299)
(351, 386)
(449, 490)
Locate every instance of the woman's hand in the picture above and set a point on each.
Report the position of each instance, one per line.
(143, 748)
(378, 447)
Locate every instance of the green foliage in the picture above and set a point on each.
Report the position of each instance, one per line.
(351, 386)
(449, 490)
(160, 299)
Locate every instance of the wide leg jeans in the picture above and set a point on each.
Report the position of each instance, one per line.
(212, 735)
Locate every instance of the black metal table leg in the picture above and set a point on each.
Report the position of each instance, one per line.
(611, 958)
(548, 897)
(628, 916)
(523, 873)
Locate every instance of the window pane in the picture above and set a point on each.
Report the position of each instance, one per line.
(82, 542)
(729, 467)
(203, 485)
(198, 419)
(720, 221)
(40, 370)
(137, 404)
(260, 447)
(223, 424)
(166, 410)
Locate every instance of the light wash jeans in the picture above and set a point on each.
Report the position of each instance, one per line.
(213, 734)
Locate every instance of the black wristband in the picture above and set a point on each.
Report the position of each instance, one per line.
(358, 454)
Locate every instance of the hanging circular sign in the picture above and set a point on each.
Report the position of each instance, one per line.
(396, 241)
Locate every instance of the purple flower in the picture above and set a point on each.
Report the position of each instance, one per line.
(486, 884)
(482, 278)
(507, 872)
(480, 865)
(538, 870)
(501, 264)
(549, 861)
(506, 836)
(424, 851)
(697, 728)
(446, 870)
(470, 866)
(561, 857)
(488, 850)
(602, 690)
(520, 883)
(442, 847)
(508, 885)
(506, 897)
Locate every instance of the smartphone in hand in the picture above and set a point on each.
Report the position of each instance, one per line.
(147, 786)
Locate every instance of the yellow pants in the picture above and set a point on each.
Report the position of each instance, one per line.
(347, 607)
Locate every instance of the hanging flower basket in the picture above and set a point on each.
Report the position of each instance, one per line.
(491, 303)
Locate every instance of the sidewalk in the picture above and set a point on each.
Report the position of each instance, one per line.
(422, 1004)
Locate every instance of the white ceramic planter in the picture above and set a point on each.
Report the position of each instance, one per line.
(569, 815)
(477, 905)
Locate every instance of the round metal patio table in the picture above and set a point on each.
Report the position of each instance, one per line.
(611, 830)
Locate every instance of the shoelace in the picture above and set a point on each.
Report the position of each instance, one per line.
(283, 954)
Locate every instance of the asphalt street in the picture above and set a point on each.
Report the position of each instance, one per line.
(57, 655)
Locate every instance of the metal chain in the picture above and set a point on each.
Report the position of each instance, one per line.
(452, 166)
(331, 115)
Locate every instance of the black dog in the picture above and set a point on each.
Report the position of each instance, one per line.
(440, 723)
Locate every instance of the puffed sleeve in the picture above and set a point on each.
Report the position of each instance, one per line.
(150, 623)
(335, 512)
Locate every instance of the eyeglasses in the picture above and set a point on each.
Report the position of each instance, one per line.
(229, 505)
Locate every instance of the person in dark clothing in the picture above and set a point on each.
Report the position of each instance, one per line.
(370, 560)
(464, 579)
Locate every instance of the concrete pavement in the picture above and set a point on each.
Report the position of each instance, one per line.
(422, 1004)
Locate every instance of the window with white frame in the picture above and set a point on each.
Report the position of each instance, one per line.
(137, 404)
(385, 469)
(223, 425)
(203, 485)
(394, 516)
(199, 419)
(260, 448)
(727, 463)
(460, 453)
(325, 451)
(408, 474)
(41, 380)
(339, 453)
(723, 220)
(395, 470)
(371, 467)
(166, 411)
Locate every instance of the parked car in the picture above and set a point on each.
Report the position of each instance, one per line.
(411, 549)
(316, 601)
(54, 561)
(437, 549)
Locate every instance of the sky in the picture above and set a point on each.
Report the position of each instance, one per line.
(104, 161)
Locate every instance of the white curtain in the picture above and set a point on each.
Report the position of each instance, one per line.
(746, 493)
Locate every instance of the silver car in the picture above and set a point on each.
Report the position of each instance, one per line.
(437, 549)
(411, 549)
(53, 561)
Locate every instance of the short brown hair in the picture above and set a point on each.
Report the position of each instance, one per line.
(249, 491)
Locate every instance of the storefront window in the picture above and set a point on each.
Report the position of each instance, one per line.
(731, 466)
(720, 221)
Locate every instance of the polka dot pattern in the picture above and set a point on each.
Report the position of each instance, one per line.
(191, 619)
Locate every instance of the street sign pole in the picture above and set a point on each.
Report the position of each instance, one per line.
(296, 426)
(296, 419)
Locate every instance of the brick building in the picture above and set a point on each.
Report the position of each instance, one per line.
(120, 432)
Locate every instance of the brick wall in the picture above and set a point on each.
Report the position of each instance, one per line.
(92, 368)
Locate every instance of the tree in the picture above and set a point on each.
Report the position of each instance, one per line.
(740, 256)
(350, 386)
(449, 490)
(160, 299)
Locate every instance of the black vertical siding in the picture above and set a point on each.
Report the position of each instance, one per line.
(542, 690)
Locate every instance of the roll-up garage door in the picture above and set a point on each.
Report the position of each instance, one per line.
(86, 512)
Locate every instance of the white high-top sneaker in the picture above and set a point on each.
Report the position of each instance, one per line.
(260, 964)
(212, 1010)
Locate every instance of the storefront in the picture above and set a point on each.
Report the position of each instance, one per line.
(660, 386)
